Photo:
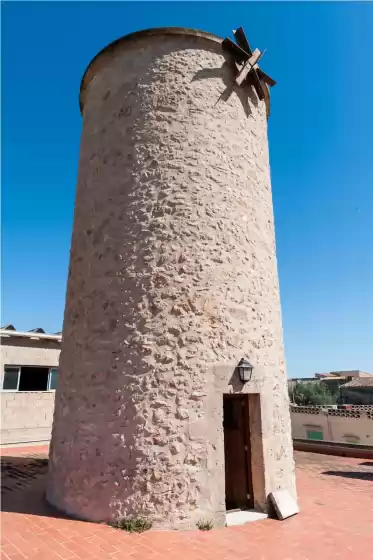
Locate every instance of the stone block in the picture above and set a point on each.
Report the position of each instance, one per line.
(284, 504)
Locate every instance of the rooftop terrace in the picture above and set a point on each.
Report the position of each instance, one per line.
(336, 521)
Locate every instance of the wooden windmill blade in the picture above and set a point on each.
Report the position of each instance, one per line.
(239, 54)
(249, 70)
(248, 66)
(239, 35)
(267, 79)
(256, 82)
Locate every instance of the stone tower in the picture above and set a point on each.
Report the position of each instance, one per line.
(173, 279)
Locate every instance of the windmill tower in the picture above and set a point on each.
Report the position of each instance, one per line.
(172, 398)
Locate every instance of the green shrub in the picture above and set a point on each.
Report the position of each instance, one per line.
(132, 524)
(312, 393)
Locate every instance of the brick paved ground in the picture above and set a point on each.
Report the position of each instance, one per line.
(336, 497)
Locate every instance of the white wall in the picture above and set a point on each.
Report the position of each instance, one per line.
(26, 417)
(346, 426)
(29, 352)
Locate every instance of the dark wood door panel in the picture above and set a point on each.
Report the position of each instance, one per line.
(236, 450)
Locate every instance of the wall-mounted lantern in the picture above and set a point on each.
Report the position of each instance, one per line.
(245, 370)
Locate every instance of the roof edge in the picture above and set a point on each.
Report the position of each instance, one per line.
(141, 35)
(34, 335)
(136, 35)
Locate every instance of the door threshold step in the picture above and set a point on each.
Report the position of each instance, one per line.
(244, 516)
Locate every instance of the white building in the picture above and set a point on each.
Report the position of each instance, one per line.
(29, 369)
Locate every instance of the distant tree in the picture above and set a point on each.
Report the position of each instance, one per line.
(312, 393)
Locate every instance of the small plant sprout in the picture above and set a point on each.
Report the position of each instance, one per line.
(204, 525)
(132, 524)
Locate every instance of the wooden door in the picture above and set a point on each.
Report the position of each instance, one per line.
(237, 452)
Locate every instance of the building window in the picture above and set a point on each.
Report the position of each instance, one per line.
(315, 435)
(11, 378)
(52, 381)
(29, 378)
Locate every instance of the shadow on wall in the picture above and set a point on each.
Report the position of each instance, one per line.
(236, 383)
(228, 72)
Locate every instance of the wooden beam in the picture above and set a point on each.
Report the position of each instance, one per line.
(258, 86)
(239, 35)
(242, 54)
(248, 66)
(267, 79)
(238, 54)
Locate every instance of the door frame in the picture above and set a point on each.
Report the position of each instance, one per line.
(244, 398)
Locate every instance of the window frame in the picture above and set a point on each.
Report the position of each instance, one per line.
(13, 366)
(50, 377)
(19, 368)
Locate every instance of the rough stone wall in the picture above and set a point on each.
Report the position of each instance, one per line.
(26, 417)
(173, 278)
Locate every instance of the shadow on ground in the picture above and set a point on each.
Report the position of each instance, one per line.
(16, 472)
(351, 474)
(23, 486)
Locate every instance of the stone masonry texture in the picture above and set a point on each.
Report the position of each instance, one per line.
(173, 279)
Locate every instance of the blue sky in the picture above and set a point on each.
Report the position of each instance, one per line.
(321, 148)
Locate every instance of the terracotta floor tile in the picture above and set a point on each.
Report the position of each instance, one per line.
(336, 522)
(9, 550)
